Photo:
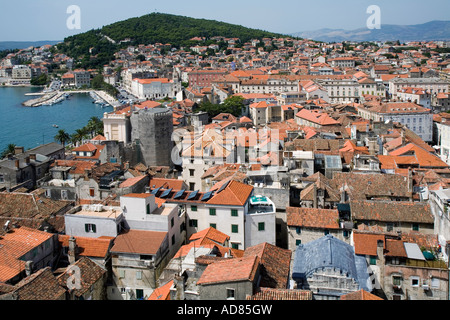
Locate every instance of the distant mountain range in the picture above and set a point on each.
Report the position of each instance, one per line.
(5, 45)
(433, 30)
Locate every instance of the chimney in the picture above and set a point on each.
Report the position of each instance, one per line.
(410, 183)
(72, 250)
(315, 196)
(32, 156)
(18, 150)
(17, 163)
(380, 254)
(28, 268)
(87, 174)
(180, 287)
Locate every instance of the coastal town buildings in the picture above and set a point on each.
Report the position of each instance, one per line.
(329, 180)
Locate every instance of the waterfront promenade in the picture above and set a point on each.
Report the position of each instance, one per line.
(53, 97)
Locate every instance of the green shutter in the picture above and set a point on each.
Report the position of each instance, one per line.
(261, 226)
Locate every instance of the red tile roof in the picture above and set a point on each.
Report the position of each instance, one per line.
(162, 293)
(366, 243)
(236, 193)
(89, 247)
(312, 217)
(360, 295)
(139, 242)
(230, 270)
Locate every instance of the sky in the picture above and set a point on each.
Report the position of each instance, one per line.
(36, 20)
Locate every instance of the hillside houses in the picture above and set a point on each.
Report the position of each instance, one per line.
(330, 181)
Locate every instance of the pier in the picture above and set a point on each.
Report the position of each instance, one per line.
(46, 99)
(49, 98)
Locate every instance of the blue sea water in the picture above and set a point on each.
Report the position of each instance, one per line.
(31, 127)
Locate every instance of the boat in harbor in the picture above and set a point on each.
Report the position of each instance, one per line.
(55, 126)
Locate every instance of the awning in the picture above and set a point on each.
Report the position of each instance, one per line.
(428, 255)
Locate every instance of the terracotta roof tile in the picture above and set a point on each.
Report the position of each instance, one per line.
(139, 242)
(162, 292)
(313, 217)
(366, 244)
(91, 273)
(89, 247)
(276, 264)
(41, 285)
(230, 270)
(360, 295)
(392, 211)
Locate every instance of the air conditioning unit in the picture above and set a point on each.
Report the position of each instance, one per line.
(426, 287)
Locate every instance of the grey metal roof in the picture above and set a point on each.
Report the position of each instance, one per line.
(329, 252)
(413, 251)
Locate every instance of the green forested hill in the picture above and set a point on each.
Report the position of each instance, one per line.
(94, 49)
(166, 28)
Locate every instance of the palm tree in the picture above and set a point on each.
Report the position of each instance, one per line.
(95, 126)
(79, 135)
(9, 149)
(62, 137)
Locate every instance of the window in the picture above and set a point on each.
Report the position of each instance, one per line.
(326, 232)
(212, 211)
(235, 245)
(193, 208)
(234, 212)
(193, 223)
(148, 208)
(435, 283)
(91, 228)
(92, 192)
(415, 281)
(48, 193)
(172, 222)
(415, 227)
(389, 226)
(121, 273)
(138, 275)
(191, 172)
(64, 194)
(298, 230)
(373, 260)
(230, 294)
(261, 226)
(139, 294)
(213, 225)
(396, 281)
(145, 257)
(173, 239)
(297, 242)
(234, 228)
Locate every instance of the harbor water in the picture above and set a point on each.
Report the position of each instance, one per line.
(32, 126)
